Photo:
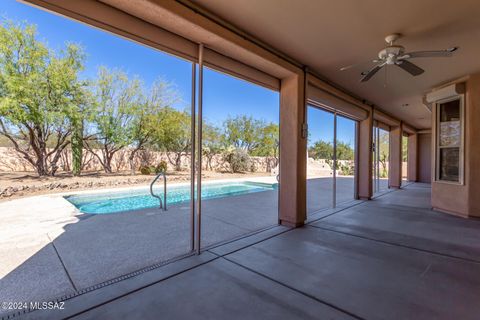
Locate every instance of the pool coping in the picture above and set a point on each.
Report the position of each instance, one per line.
(116, 194)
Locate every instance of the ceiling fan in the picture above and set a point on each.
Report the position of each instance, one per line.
(394, 54)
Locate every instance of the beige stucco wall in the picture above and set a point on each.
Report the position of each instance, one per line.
(463, 199)
(425, 157)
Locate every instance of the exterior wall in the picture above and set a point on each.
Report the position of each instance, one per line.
(12, 161)
(472, 145)
(293, 154)
(364, 161)
(412, 167)
(450, 198)
(425, 157)
(463, 199)
(395, 170)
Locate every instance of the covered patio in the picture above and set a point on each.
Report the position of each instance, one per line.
(389, 256)
(53, 243)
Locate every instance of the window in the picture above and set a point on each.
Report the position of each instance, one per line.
(449, 140)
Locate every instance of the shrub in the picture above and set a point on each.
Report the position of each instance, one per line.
(145, 170)
(238, 159)
(161, 167)
(347, 170)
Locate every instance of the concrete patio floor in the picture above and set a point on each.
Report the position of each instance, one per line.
(389, 258)
(49, 251)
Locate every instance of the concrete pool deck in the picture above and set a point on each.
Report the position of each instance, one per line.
(389, 258)
(50, 250)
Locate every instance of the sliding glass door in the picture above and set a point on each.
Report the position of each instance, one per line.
(240, 164)
(320, 156)
(381, 159)
(404, 159)
(127, 151)
(345, 150)
(330, 159)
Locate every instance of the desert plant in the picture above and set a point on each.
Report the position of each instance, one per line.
(145, 170)
(148, 114)
(243, 132)
(238, 160)
(347, 169)
(41, 95)
(253, 166)
(172, 135)
(117, 99)
(161, 167)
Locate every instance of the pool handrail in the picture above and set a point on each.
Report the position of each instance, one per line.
(163, 205)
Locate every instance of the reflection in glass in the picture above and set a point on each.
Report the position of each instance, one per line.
(319, 159)
(449, 140)
(240, 148)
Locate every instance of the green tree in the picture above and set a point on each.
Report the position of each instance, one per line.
(117, 100)
(344, 151)
(321, 150)
(269, 144)
(212, 143)
(384, 152)
(173, 135)
(77, 147)
(243, 132)
(147, 115)
(40, 95)
(404, 149)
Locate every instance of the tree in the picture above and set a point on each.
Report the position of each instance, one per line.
(321, 150)
(269, 143)
(344, 151)
(243, 132)
(173, 135)
(148, 116)
(212, 143)
(77, 147)
(404, 149)
(117, 101)
(238, 159)
(384, 152)
(40, 95)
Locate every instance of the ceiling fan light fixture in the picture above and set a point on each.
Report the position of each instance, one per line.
(389, 51)
(395, 55)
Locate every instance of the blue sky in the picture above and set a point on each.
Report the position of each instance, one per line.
(223, 95)
(320, 126)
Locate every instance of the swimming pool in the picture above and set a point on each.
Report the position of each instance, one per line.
(113, 202)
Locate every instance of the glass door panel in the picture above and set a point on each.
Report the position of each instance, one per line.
(240, 164)
(345, 150)
(319, 159)
(381, 159)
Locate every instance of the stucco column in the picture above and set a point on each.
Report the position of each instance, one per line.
(293, 152)
(395, 163)
(364, 162)
(412, 154)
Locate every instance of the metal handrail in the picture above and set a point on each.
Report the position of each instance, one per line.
(163, 205)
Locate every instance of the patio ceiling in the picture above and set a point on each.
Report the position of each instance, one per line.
(326, 35)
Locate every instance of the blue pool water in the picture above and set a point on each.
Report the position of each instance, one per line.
(113, 202)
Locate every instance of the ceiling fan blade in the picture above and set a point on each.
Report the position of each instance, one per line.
(358, 64)
(368, 74)
(348, 67)
(429, 54)
(411, 68)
